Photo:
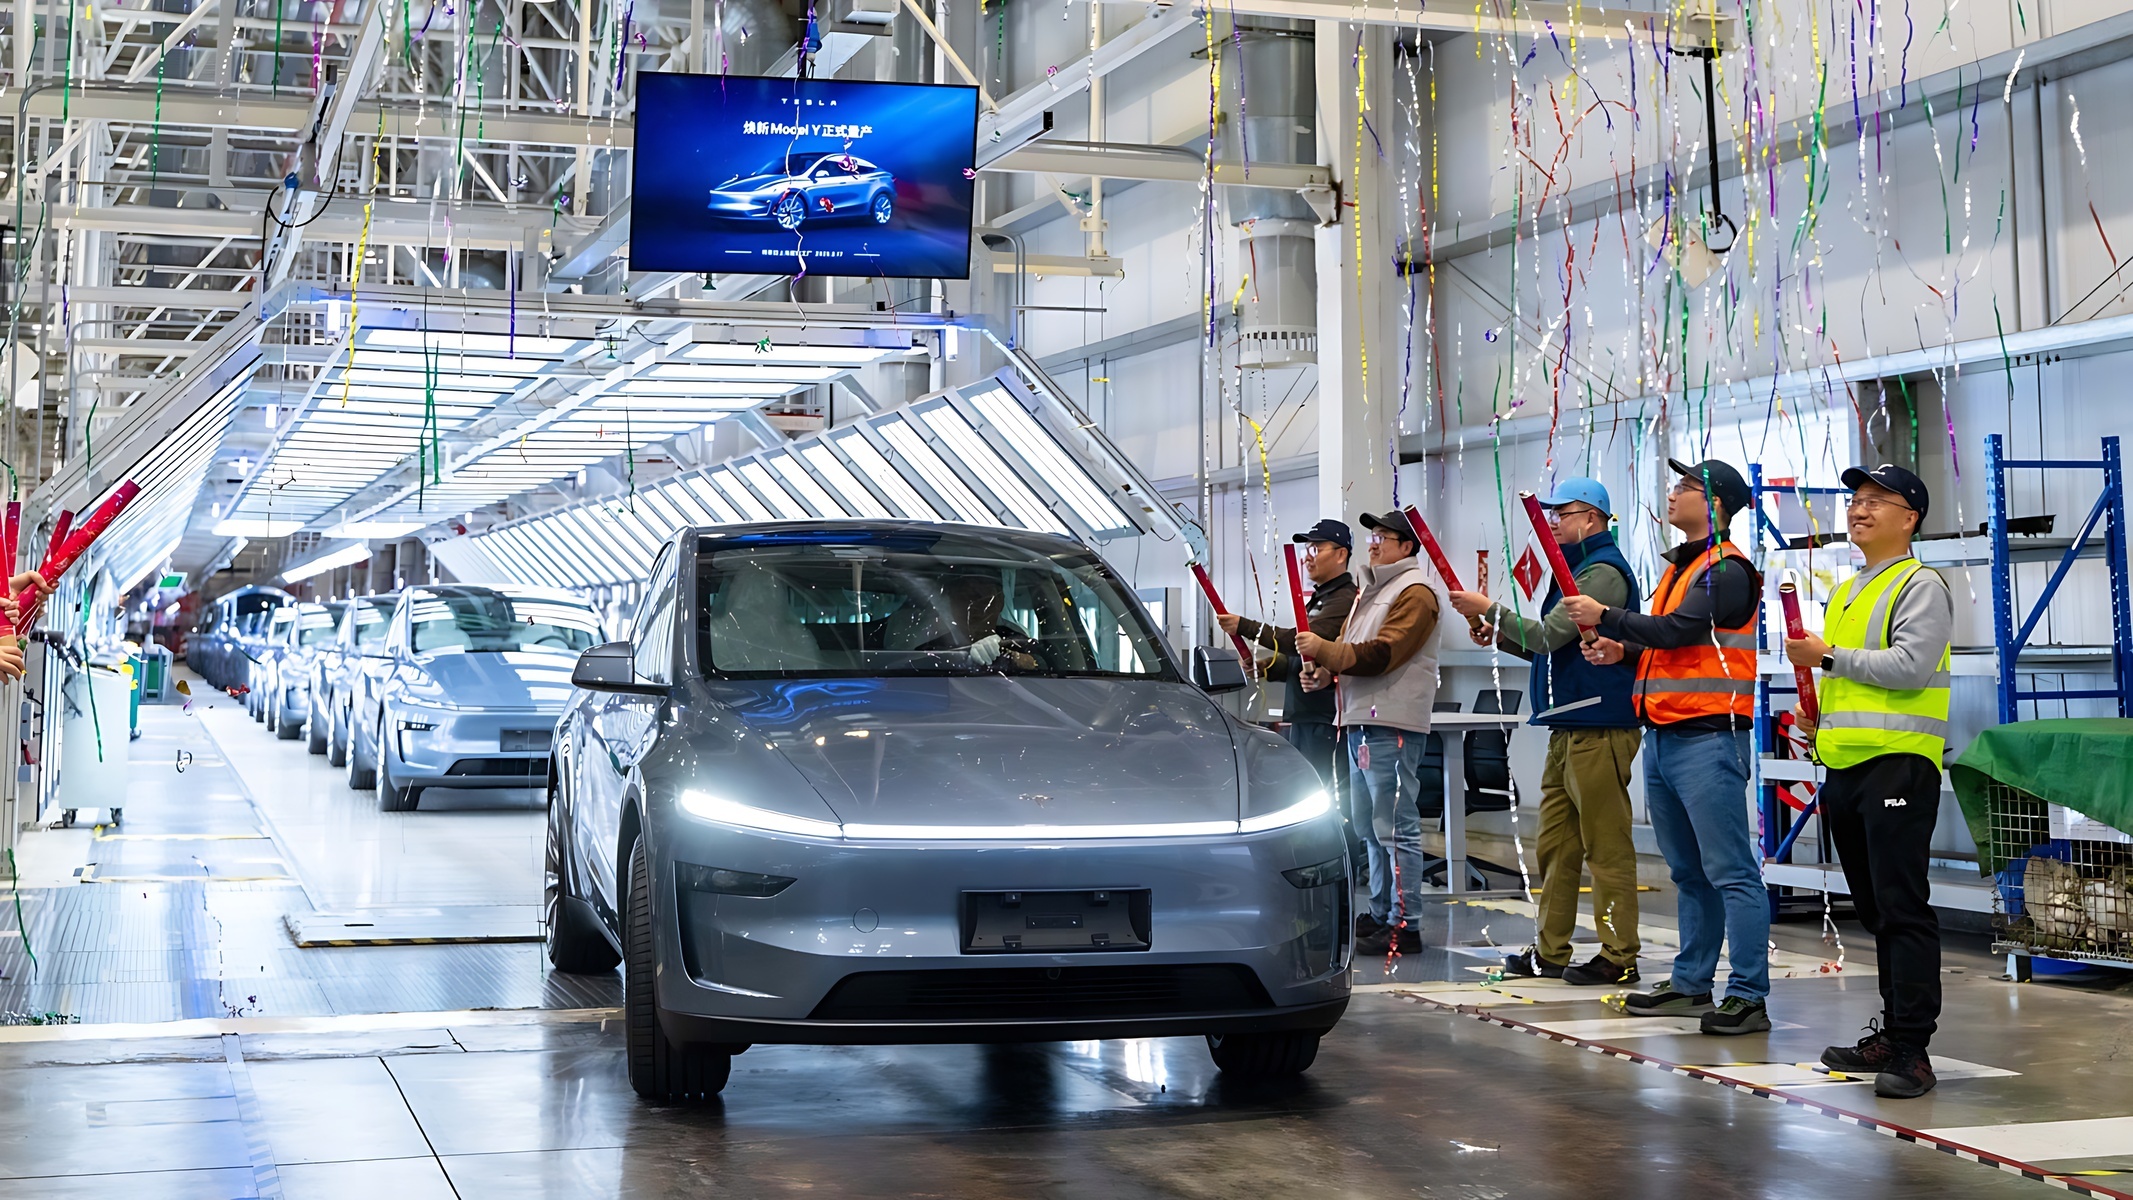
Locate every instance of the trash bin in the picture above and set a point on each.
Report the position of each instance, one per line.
(95, 746)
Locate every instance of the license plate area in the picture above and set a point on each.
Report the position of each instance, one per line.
(523, 740)
(1055, 922)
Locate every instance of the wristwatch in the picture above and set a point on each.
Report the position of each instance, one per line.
(1829, 662)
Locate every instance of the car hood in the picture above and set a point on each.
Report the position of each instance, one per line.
(749, 183)
(515, 679)
(998, 751)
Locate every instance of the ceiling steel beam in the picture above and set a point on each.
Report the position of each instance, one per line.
(1528, 18)
(1117, 160)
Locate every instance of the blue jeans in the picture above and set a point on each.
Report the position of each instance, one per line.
(1696, 794)
(1382, 796)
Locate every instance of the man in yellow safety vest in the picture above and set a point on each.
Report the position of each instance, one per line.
(1883, 728)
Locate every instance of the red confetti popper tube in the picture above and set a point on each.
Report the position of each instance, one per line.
(1296, 592)
(1557, 564)
(1436, 556)
(1207, 587)
(77, 543)
(1802, 677)
(8, 541)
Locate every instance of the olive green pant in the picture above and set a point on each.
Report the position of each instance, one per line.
(1584, 823)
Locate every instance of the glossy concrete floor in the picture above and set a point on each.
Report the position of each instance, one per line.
(219, 1059)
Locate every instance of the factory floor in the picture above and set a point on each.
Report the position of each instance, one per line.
(215, 1026)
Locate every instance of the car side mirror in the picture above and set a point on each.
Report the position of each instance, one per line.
(1217, 669)
(611, 668)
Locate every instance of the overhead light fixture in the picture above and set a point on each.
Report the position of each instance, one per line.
(990, 468)
(1036, 446)
(382, 530)
(906, 441)
(257, 527)
(875, 466)
(795, 477)
(849, 491)
(772, 491)
(345, 556)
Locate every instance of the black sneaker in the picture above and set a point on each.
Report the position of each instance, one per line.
(1385, 941)
(1871, 1056)
(1528, 964)
(1599, 971)
(1908, 1076)
(1664, 1001)
(1737, 1016)
(1367, 925)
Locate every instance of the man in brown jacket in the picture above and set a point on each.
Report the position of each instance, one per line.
(1386, 664)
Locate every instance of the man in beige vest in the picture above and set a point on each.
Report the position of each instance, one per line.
(1385, 666)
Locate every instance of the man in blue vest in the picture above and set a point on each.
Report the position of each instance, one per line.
(1884, 729)
(1592, 740)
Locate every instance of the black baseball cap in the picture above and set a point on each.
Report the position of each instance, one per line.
(1394, 523)
(1328, 530)
(1719, 480)
(1897, 480)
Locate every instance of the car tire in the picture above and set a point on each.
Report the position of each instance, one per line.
(317, 728)
(660, 1070)
(271, 711)
(284, 728)
(362, 773)
(576, 946)
(337, 737)
(1264, 1055)
(790, 211)
(392, 797)
(882, 208)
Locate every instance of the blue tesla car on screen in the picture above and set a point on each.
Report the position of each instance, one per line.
(795, 189)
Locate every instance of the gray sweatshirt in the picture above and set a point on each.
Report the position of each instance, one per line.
(1920, 629)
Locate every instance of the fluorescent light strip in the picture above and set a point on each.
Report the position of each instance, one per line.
(739, 497)
(913, 448)
(1036, 446)
(489, 343)
(541, 551)
(601, 562)
(797, 480)
(901, 495)
(655, 501)
(842, 483)
(771, 491)
(704, 493)
(990, 468)
(503, 550)
(751, 353)
(676, 493)
(1036, 833)
(630, 541)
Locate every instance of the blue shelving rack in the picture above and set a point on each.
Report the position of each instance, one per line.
(2008, 638)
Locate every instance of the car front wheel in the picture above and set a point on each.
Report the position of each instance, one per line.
(790, 211)
(392, 796)
(883, 208)
(337, 737)
(1264, 1055)
(362, 771)
(660, 1070)
(317, 728)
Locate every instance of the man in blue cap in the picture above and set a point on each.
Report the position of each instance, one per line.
(1327, 546)
(1592, 740)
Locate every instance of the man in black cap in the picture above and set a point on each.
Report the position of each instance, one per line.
(1310, 714)
(1386, 661)
(1882, 733)
(1695, 694)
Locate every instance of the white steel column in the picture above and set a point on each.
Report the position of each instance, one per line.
(1355, 417)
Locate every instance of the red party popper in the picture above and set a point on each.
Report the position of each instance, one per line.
(62, 553)
(8, 539)
(1296, 593)
(1557, 564)
(1802, 677)
(1207, 587)
(1436, 556)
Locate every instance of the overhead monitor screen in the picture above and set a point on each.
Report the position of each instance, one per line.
(747, 175)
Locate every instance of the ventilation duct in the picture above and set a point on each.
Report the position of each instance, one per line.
(1277, 319)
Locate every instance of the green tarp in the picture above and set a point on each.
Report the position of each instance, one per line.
(2082, 763)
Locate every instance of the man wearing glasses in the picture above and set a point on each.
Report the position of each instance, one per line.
(1884, 726)
(1592, 742)
(1310, 714)
(1695, 693)
(1386, 659)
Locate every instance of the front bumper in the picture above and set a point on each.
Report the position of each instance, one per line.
(471, 748)
(866, 945)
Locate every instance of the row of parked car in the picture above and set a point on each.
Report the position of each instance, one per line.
(443, 685)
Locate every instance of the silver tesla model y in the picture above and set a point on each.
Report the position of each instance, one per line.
(878, 782)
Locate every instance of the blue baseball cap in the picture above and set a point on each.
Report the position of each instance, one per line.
(1580, 490)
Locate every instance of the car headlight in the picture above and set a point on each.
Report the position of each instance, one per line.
(706, 807)
(416, 726)
(722, 882)
(1317, 804)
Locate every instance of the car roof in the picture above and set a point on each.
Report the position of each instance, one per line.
(866, 529)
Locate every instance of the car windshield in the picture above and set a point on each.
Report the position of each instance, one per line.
(283, 618)
(477, 620)
(789, 164)
(314, 626)
(373, 618)
(867, 605)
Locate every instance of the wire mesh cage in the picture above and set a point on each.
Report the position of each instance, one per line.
(2066, 886)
